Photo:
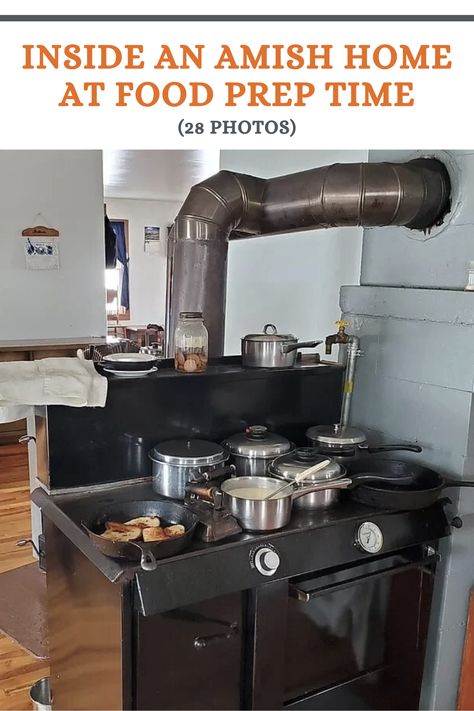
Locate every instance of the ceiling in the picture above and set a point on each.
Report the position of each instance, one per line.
(156, 175)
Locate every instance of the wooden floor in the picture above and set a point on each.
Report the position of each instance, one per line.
(18, 670)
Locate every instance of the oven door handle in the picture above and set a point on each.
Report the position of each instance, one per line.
(204, 642)
(307, 595)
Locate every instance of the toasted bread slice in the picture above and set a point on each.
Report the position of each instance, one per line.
(133, 534)
(153, 534)
(175, 531)
(144, 522)
(120, 527)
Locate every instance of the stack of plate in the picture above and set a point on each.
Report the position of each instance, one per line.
(130, 365)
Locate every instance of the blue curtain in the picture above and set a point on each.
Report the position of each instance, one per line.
(122, 257)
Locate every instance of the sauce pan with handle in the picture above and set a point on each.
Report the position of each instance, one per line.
(245, 498)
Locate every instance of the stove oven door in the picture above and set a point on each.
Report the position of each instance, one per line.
(356, 637)
(190, 658)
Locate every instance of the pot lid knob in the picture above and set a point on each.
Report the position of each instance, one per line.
(270, 329)
(256, 432)
(306, 454)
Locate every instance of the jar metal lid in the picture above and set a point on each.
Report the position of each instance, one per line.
(188, 452)
(190, 314)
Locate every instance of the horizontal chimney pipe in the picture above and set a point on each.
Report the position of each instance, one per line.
(415, 194)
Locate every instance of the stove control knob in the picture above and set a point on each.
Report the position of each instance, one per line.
(266, 560)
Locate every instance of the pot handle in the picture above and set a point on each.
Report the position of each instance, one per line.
(374, 478)
(203, 492)
(198, 477)
(303, 344)
(337, 484)
(211, 494)
(455, 483)
(391, 448)
(147, 560)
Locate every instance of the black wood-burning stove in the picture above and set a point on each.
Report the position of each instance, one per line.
(326, 625)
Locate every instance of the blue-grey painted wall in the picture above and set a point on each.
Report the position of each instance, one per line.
(415, 382)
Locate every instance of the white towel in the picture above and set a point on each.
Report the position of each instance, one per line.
(52, 381)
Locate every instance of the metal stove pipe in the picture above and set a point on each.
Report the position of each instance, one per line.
(227, 205)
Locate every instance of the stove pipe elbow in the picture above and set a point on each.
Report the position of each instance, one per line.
(227, 205)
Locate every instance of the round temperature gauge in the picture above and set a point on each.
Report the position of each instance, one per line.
(369, 537)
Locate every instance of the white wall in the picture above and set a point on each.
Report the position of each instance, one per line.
(290, 280)
(66, 188)
(147, 271)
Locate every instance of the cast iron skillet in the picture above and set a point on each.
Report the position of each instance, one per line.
(412, 486)
(145, 553)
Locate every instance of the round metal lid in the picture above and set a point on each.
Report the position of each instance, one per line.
(289, 465)
(269, 334)
(256, 442)
(335, 435)
(189, 452)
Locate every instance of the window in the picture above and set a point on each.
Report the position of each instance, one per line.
(117, 280)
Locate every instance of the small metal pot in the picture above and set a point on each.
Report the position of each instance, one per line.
(254, 449)
(256, 514)
(346, 443)
(177, 463)
(289, 465)
(271, 349)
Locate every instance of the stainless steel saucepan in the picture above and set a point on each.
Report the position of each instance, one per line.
(254, 449)
(290, 466)
(179, 462)
(245, 498)
(271, 349)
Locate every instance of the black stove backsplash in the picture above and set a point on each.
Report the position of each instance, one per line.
(98, 445)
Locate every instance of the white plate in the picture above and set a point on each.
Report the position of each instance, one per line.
(131, 373)
(129, 358)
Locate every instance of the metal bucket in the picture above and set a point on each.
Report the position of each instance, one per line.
(40, 695)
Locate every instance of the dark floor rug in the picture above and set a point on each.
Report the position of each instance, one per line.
(23, 608)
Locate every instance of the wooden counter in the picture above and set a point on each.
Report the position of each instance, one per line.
(34, 349)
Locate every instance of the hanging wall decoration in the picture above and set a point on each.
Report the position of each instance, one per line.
(41, 247)
(152, 239)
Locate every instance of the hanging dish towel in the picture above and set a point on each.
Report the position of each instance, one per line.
(52, 381)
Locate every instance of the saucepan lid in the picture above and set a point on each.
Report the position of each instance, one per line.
(335, 435)
(289, 465)
(256, 442)
(189, 452)
(270, 335)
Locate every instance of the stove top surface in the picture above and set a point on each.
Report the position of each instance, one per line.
(312, 542)
(87, 506)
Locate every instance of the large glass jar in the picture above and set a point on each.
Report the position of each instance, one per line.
(190, 343)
